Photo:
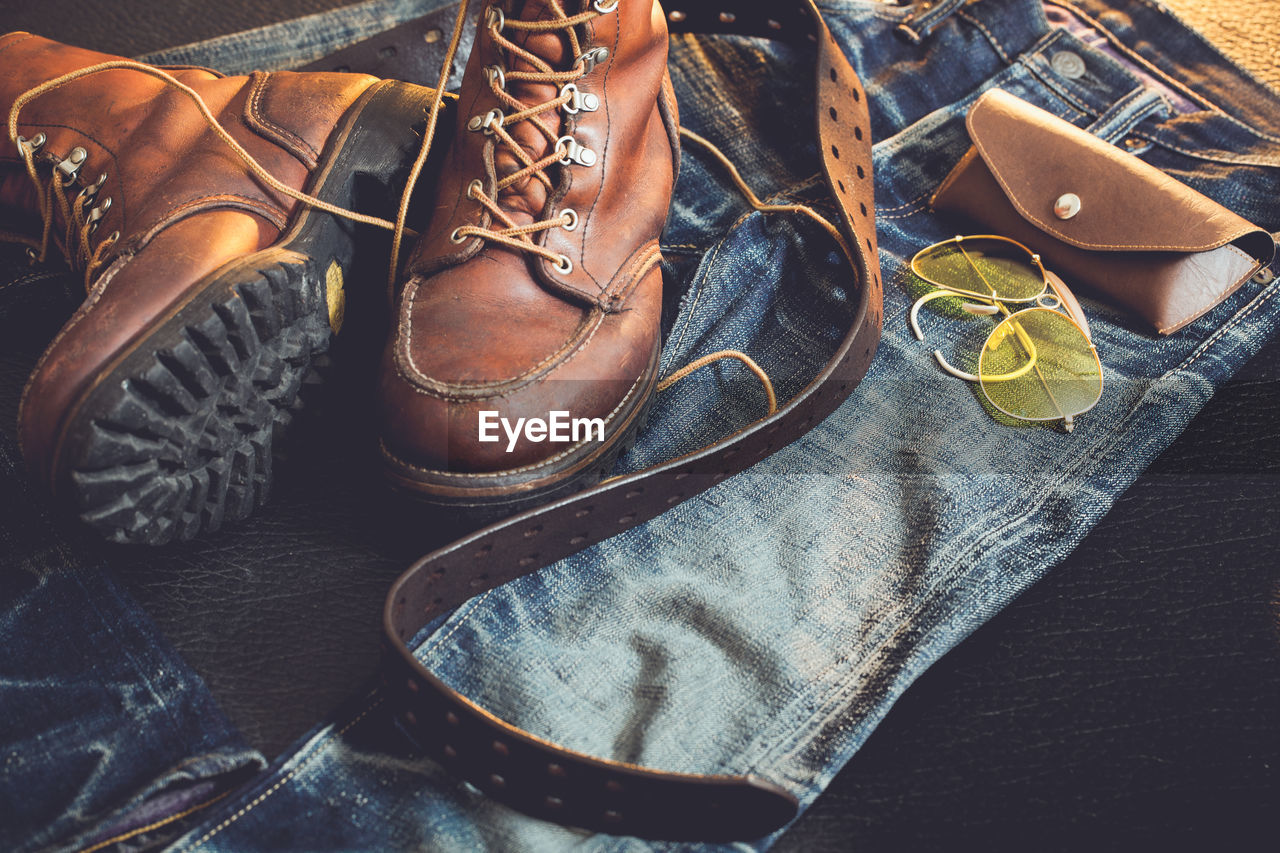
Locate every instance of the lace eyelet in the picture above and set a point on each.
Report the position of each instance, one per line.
(70, 167)
(487, 122)
(574, 153)
(494, 19)
(455, 237)
(564, 265)
(496, 74)
(590, 58)
(603, 9)
(579, 101)
(33, 144)
(474, 187)
(96, 215)
(90, 192)
(572, 217)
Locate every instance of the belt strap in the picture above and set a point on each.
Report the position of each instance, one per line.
(511, 765)
(412, 52)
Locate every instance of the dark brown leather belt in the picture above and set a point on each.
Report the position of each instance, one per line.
(511, 765)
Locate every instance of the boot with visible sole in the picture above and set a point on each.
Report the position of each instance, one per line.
(526, 347)
(154, 411)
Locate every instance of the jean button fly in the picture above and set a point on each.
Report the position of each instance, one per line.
(1068, 64)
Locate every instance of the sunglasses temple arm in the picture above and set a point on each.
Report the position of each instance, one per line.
(954, 371)
(914, 316)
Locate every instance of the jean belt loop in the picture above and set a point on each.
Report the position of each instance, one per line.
(926, 15)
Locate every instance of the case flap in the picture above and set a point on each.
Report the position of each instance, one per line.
(1124, 203)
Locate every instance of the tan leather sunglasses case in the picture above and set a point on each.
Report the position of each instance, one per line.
(1098, 215)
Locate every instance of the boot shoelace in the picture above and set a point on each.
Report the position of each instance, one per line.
(81, 215)
(563, 149)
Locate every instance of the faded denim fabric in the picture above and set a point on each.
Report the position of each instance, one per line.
(767, 625)
(103, 728)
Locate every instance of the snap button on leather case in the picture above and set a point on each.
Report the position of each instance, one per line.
(1098, 215)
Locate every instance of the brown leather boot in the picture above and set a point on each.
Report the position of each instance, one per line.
(209, 292)
(536, 291)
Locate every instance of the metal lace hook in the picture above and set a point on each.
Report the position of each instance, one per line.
(69, 168)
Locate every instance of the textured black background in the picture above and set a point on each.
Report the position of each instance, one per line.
(1130, 700)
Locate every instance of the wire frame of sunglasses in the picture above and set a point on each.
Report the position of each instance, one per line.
(1039, 362)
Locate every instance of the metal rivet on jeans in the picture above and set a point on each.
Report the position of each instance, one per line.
(1265, 276)
(1068, 64)
(1067, 206)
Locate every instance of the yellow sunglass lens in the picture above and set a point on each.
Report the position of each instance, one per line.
(1038, 365)
(983, 267)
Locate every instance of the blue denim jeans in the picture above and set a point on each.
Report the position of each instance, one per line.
(766, 626)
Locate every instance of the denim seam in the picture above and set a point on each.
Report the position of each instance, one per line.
(312, 752)
(1127, 113)
(693, 306)
(1056, 87)
(831, 699)
(430, 646)
(990, 36)
(1156, 138)
(1257, 302)
(702, 280)
(917, 205)
(1234, 66)
(1159, 73)
(1120, 47)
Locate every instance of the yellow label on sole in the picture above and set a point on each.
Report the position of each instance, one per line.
(336, 295)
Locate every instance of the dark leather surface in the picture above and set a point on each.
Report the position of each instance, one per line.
(1131, 700)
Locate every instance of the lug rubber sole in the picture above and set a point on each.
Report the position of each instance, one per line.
(176, 435)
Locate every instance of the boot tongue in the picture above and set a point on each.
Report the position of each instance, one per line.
(525, 199)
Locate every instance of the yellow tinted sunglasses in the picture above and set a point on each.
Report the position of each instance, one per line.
(1039, 362)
